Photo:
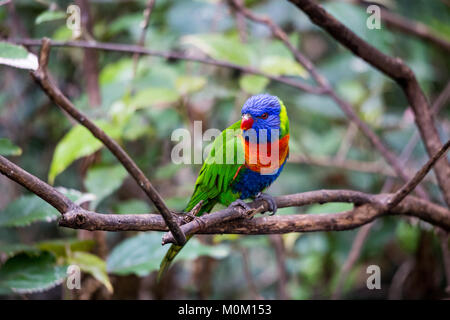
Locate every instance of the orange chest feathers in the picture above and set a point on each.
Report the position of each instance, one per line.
(266, 157)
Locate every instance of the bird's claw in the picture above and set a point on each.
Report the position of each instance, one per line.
(240, 203)
(270, 200)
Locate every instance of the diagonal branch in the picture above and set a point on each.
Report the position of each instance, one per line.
(41, 76)
(410, 27)
(394, 68)
(411, 184)
(49, 194)
(390, 157)
(144, 25)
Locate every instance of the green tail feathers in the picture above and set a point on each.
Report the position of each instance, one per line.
(174, 249)
(169, 257)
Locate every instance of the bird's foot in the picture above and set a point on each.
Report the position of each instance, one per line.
(270, 200)
(240, 203)
(250, 212)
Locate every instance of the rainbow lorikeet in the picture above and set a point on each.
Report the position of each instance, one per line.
(246, 173)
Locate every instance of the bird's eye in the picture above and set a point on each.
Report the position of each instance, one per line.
(264, 116)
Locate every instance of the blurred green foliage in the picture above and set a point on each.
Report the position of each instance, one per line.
(140, 110)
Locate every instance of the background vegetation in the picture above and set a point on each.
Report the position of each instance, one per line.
(141, 109)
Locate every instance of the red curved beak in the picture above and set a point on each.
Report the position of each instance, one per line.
(246, 122)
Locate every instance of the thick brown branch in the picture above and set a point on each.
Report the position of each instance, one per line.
(42, 78)
(410, 27)
(362, 214)
(367, 209)
(377, 206)
(390, 157)
(37, 186)
(396, 69)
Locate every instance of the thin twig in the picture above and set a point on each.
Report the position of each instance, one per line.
(410, 27)
(280, 253)
(171, 56)
(411, 184)
(355, 251)
(144, 25)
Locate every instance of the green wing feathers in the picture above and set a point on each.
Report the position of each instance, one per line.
(214, 179)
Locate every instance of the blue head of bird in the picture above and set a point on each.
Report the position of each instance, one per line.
(261, 118)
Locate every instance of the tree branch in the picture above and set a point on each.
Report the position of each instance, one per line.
(170, 56)
(373, 208)
(367, 208)
(411, 184)
(390, 157)
(144, 25)
(410, 27)
(49, 194)
(394, 68)
(41, 76)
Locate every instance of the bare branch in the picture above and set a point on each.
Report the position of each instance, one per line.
(147, 13)
(394, 68)
(363, 233)
(362, 214)
(407, 26)
(42, 78)
(171, 56)
(37, 186)
(367, 208)
(410, 185)
(390, 157)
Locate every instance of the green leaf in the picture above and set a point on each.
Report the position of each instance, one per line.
(25, 210)
(153, 96)
(408, 236)
(186, 85)
(332, 207)
(195, 249)
(50, 16)
(132, 206)
(121, 70)
(253, 84)
(277, 65)
(7, 148)
(17, 56)
(139, 255)
(28, 274)
(60, 247)
(143, 253)
(220, 47)
(12, 249)
(93, 265)
(78, 143)
(103, 181)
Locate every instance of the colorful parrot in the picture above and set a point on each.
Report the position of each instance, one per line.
(247, 172)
